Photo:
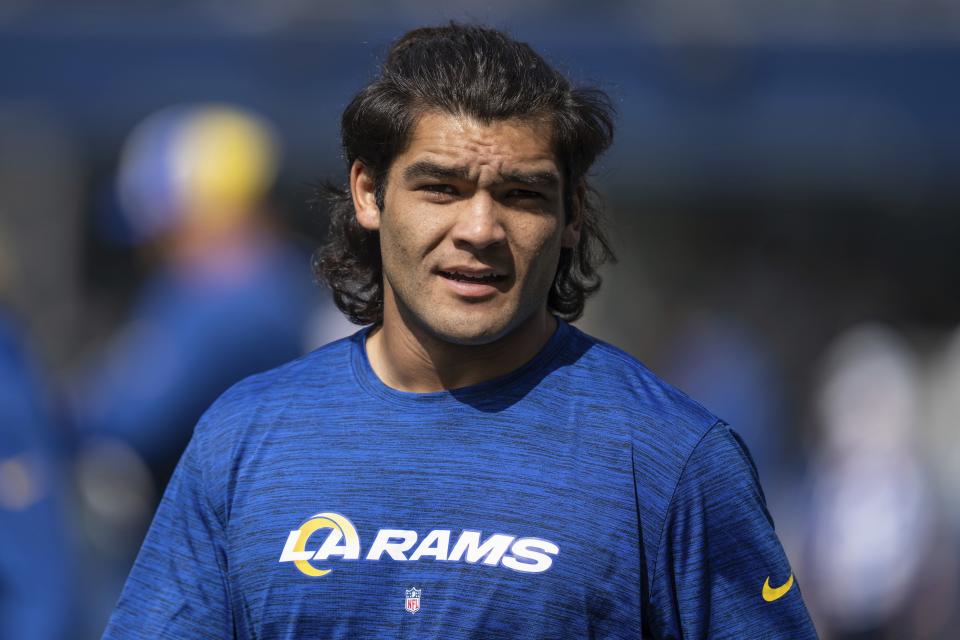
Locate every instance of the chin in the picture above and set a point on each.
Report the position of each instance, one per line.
(468, 331)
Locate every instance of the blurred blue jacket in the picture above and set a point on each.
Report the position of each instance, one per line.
(193, 333)
(36, 559)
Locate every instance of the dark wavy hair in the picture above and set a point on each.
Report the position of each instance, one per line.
(483, 74)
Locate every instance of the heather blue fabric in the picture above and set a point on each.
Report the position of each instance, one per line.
(652, 503)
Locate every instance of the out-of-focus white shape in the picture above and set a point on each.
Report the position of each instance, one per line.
(869, 397)
(871, 528)
(871, 514)
(116, 493)
(21, 482)
(327, 324)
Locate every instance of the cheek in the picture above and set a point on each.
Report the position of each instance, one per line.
(539, 246)
(406, 239)
(544, 269)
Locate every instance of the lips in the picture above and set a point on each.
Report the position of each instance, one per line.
(482, 277)
(472, 283)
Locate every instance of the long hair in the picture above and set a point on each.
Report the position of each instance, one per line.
(483, 74)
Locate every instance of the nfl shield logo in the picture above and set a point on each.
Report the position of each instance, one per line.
(413, 599)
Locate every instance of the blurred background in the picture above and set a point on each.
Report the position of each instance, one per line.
(782, 192)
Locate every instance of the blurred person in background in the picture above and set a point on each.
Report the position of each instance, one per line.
(37, 563)
(873, 556)
(227, 296)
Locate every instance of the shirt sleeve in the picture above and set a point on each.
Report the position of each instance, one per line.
(721, 571)
(178, 585)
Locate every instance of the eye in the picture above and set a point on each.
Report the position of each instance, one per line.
(439, 191)
(524, 194)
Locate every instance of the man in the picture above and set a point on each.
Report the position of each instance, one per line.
(471, 465)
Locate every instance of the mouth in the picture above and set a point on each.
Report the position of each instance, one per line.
(479, 277)
(474, 284)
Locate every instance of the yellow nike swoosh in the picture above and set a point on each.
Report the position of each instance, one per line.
(770, 594)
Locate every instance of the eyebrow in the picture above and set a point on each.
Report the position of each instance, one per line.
(543, 179)
(428, 169)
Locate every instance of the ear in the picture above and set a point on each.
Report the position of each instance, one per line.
(363, 190)
(571, 232)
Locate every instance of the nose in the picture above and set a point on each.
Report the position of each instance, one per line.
(478, 223)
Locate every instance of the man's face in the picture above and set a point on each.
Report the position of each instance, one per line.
(471, 228)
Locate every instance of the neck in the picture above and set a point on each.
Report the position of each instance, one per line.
(411, 359)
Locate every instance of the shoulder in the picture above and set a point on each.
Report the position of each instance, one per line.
(257, 398)
(661, 415)
(661, 427)
(263, 408)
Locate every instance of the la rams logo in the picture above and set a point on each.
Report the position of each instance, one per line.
(526, 555)
(341, 529)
